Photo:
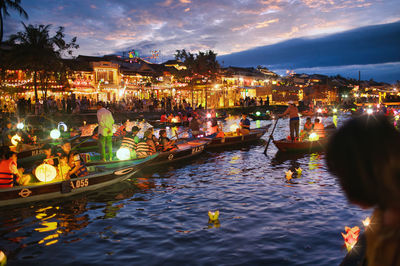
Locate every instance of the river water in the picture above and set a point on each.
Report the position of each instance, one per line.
(161, 216)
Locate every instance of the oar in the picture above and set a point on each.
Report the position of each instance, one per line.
(270, 136)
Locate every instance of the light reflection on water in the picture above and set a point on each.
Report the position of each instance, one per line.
(161, 217)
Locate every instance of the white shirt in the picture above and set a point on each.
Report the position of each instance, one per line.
(106, 122)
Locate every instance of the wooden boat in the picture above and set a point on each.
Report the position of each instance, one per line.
(235, 140)
(300, 146)
(158, 124)
(261, 116)
(184, 151)
(99, 176)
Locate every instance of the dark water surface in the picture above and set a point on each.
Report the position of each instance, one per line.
(160, 217)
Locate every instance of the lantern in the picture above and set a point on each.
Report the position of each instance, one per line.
(20, 125)
(258, 113)
(369, 111)
(15, 139)
(334, 110)
(55, 134)
(208, 115)
(234, 127)
(63, 125)
(213, 215)
(313, 137)
(45, 172)
(123, 154)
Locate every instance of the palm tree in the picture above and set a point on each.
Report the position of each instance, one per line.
(35, 50)
(4, 6)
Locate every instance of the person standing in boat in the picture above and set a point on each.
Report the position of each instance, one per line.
(244, 125)
(364, 155)
(106, 122)
(294, 120)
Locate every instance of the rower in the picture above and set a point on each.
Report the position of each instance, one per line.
(319, 128)
(244, 126)
(293, 113)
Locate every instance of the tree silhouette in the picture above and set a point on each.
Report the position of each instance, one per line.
(4, 6)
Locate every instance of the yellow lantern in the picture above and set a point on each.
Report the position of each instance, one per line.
(233, 127)
(313, 137)
(45, 172)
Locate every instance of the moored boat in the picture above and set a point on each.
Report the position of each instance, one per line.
(285, 145)
(158, 124)
(236, 140)
(99, 176)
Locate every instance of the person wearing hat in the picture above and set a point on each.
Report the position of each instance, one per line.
(130, 141)
(294, 119)
(106, 122)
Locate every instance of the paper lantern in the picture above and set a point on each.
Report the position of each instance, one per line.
(63, 125)
(15, 139)
(258, 113)
(20, 125)
(55, 134)
(45, 172)
(313, 137)
(123, 154)
(233, 127)
(213, 215)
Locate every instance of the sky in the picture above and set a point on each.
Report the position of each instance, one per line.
(225, 26)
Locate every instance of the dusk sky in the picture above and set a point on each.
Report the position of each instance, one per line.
(226, 26)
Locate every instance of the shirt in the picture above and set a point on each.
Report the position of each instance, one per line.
(106, 122)
(245, 123)
(292, 111)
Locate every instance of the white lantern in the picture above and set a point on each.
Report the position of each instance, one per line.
(45, 172)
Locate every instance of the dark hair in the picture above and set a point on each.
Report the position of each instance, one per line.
(364, 154)
(316, 120)
(162, 131)
(135, 129)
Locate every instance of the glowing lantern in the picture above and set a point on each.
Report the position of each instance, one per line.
(334, 110)
(45, 172)
(233, 127)
(123, 154)
(213, 215)
(289, 175)
(258, 113)
(216, 114)
(313, 137)
(174, 120)
(15, 139)
(369, 111)
(63, 125)
(366, 222)
(55, 134)
(20, 125)
(319, 110)
(3, 258)
(208, 115)
(351, 236)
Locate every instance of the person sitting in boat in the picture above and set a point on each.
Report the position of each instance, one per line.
(293, 113)
(319, 128)
(164, 118)
(121, 131)
(213, 131)
(244, 126)
(165, 143)
(308, 125)
(194, 126)
(151, 140)
(9, 172)
(130, 141)
(7, 134)
(63, 171)
(77, 164)
(364, 155)
(170, 117)
(220, 133)
(143, 148)
(48, 150)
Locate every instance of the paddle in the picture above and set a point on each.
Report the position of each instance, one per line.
(270, 136)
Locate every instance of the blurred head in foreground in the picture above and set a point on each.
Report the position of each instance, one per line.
(365, 156)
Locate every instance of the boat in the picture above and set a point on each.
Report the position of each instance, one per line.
(285, 145)
(159, 124)
(99, 176)
(231, 140)
(260, 116)
(184, 151)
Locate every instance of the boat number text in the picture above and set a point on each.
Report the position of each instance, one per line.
(36, 152)
(79, 183)
(197, 149)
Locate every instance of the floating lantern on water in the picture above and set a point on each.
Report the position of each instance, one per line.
(45, 172)
(289, 175)
(299, 171)
(258, 113)
(369, 111)
(213, 216)
(55, 134)
(366, 222)
(208, 115)
(15, 139)
(351, 236)
(233, 127)
(313, 137)
(3, 259)
(123, 154)
(20, 125)
(63, 125)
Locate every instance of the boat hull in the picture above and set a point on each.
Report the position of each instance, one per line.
(254, 135)
(304, 146)
(105, 176)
